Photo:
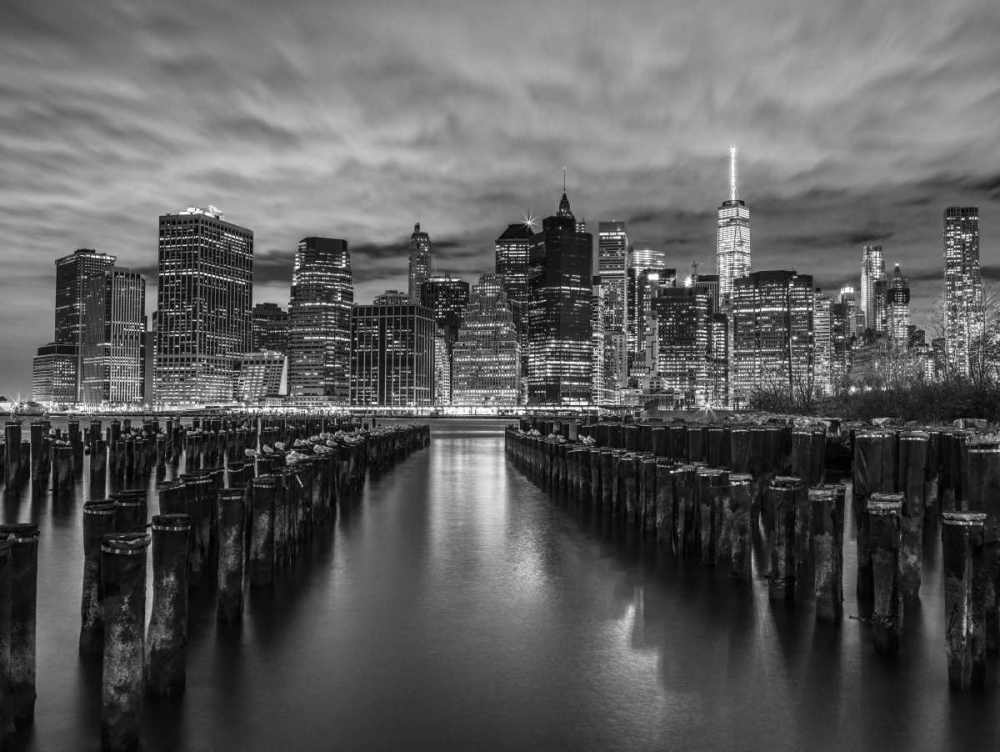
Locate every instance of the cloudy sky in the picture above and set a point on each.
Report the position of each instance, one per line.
(856, 122)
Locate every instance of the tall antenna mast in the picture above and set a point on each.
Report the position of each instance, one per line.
(564, 179)
(732, 173)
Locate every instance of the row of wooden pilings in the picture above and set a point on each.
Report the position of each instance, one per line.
(703, 489)
(126, 453)
(221, 528)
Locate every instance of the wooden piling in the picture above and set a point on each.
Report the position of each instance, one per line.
(884, 512)
(166, 641)
(98, 521)
(827, 525)
(783, 492)
(964, 606)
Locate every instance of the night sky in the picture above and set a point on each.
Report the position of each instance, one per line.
(857, 122)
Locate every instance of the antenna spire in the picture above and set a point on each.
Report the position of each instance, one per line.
(732, 173)
(564, 179)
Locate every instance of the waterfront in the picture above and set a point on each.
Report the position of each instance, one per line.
(457, 606)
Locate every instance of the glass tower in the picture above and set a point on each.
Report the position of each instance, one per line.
(421, 253)
(963, 288)
(732, 250)
(872, 273)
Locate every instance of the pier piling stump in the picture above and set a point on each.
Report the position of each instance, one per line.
(6, 713)
(962, 534)
(884, 511)
(912, 482)
(98, 521)
(166, 642)
(23, 607)
(261, 556)
(123, 574)
(783, 492)
(232, 515)
(827, 525)
(740, 502)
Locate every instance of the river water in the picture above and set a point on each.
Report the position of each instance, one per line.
(458, 607)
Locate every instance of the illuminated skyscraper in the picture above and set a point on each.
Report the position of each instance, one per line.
(732, 253)
(872, 272)
(898, 309)
(392, 355)
(113, 350)
(963, 288)
(823, 342)
(447, 297)
(772, 346)
(421, 261)
(270, 328)
(854, 315)
(260, 375)
(486, 357)
(560, 347)
(319, 315)
(642, 256)
(204, 300)
(53, 374)
(513, 248)
(683, 327)
(612, 267)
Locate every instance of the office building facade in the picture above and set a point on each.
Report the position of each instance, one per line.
(392, 355)
(963, 289)
(486, 356)
(421, 262)
(113, 349)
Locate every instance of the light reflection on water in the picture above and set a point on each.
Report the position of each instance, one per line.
(457, 606)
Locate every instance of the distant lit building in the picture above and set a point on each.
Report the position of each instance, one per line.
(270, 328)
(644, 284)
(872, 272)
(560, 348)
(392, 355)
(204, 299)
(319, 315)
(486, 356)
(54, 374)
(732, 251)
(854, 315)
(73, 273)
(513, 249)
(260, 375)
(772, 346)
(684, 329)
(113, 348)
(442, 368)
(841, 339)
(421, 261)
(964, 311)
(612, 268)
(898, 309)
(644, 256)
(602, 352)
(392, 297)
(823, 343)
(720, 331)
(447, 297)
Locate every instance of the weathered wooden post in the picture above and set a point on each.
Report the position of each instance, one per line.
(166, 673)
(710, 482)
(687, 525)
(98, 521)
(232, 514)
(123, 576)
(740, 503)
(6, 714)
(912, 482)
(37, 430)
(261, 560)
(665, 500)
(870, 464)
(23, 600)
(805, 570)
(827, 525)
(983, 495)
(131, 510)
(784, 492)
(648, 493)
(965, 640)
(884, 511)
(12, 439)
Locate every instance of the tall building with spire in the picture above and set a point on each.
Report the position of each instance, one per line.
(319, 315)
(963, 289)
(560, 352)
(732, 252)
(898, 309)
(872, 273)
(421, 261)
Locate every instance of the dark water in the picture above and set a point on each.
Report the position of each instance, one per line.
(458, 607)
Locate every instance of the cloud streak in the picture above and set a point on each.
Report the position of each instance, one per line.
(856, 122)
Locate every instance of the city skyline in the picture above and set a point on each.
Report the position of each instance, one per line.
(107, 151)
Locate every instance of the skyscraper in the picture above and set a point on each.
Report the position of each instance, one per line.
(683, 315)
(963, 289)
(319, 316)
(560, 348)
(486, 357)
(73, 274)
(392, 355)
(113, 349)
(823, 342)
(447, 297)
(513, 249)
(270, 328)
(772, 347)
(898, 309)
(204, 300)
(872, 272)
(732, 250)
(854, 315)
(421, 261)
(54, 374)
(612, 268)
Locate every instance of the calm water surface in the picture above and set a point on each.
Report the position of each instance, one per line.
(458, 607)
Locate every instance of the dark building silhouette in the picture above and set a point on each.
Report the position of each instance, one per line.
(447, 297)
(204, 300)
(270, 328)
(559, 327)
(319, 350)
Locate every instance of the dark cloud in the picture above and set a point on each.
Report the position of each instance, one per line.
(858, 122)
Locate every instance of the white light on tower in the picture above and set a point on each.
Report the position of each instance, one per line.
(732, 172)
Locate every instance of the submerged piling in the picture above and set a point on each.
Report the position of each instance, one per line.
(6, 714)
(884, 512)
(827, 526)
(23, 606)
(965, 645)
(231, 554)
(123, 575)
(167, 637)
(98, 521)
